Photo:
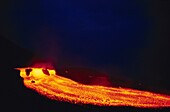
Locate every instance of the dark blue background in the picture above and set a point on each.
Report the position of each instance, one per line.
(95, 33)
(125, 35)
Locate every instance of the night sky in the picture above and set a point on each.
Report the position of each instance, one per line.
(128, 37)
(100, 34)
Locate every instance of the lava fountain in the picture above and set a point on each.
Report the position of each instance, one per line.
(48, 83)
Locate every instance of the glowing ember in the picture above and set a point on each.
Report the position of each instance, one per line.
(48, 83)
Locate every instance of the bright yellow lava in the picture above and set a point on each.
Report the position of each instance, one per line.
(53, 86)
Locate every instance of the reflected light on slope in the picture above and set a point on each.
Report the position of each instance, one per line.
(55, 87)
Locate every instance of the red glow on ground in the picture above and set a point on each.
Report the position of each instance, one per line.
(53, 86)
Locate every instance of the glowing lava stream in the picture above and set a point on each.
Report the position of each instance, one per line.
(53, 86)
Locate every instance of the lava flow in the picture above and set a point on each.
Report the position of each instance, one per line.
(55, 87)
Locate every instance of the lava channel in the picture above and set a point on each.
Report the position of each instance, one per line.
(55, 87)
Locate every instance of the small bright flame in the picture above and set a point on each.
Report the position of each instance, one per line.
(55, 87)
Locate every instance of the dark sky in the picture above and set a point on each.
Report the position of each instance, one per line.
(128, 35)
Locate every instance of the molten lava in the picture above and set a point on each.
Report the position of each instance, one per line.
(53, 86)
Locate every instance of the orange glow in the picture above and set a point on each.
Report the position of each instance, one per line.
(55, 87)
